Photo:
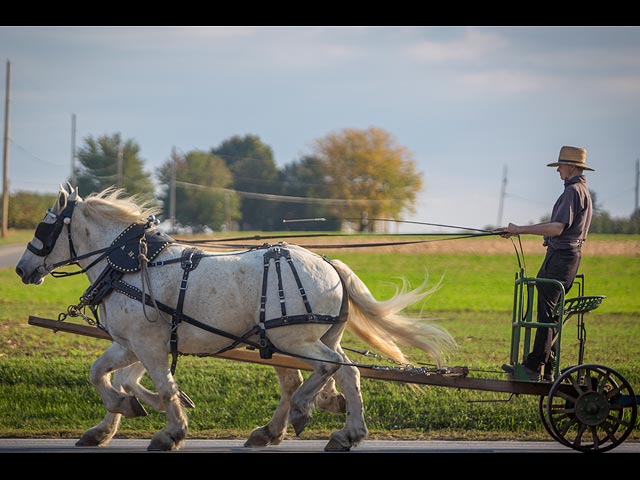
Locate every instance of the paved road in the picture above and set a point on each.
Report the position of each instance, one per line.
(9, 255)
(296, 446)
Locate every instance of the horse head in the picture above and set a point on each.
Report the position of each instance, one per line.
(44, 253)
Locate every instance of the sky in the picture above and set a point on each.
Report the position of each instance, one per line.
(473, 105)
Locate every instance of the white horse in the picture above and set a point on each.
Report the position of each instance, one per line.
(158, 299)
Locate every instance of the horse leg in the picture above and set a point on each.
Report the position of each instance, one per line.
(113, 398)
(131, 384)
(348, 379)
(102, 433)
(273, 432)
(329, 399)
(303, 399)
(114, 358)
(171, 437)
(355, 430)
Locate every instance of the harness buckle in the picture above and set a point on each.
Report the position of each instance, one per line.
(152, 221)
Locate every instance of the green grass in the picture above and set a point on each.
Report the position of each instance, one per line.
(44, 387)
(481, 283)
(16, 236)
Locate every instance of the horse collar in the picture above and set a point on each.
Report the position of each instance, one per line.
(124, 257)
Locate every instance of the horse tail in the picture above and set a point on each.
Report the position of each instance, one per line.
(380, 324)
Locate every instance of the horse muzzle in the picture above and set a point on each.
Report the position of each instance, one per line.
(36, 277)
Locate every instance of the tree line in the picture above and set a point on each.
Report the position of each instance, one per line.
(351, 176)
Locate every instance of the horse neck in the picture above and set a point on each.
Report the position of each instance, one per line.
(90, 235)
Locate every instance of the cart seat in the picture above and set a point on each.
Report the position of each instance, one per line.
(579, 305)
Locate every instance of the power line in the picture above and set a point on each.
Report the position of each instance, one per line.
(15, 144)
(287, 198)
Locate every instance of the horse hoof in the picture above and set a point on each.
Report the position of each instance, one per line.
(136, 408)
(159, 445)
(94, 438)
(87, 441)
(185, 400)
(261, 437)
(335, 446)
(257, 439)
(299, 423)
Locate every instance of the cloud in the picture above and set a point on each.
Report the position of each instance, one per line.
(475, 46)
(501, 82)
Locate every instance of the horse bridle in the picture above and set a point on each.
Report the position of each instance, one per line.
(48, 233)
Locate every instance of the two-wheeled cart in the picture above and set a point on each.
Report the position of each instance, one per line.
(589, 407)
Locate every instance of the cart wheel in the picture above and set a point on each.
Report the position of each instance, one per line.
(590, 408)
(542, 410)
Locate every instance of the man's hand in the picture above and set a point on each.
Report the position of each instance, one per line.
(508, 231)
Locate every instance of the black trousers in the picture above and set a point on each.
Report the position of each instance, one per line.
(561, 265)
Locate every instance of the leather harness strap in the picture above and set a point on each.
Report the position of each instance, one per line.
(276, 253)
(189, 262)
(118, 264)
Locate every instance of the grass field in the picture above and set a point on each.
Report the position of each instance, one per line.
(44, 387)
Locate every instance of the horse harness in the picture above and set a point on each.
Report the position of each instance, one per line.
(135, 249)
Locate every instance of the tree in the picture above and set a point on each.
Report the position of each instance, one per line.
(595, 204)
(305, 178)
(201, 195)
(99, 167)
(367, 168)
(254, 171)
(26, 209)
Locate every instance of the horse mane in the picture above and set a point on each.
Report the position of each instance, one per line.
(113, 203)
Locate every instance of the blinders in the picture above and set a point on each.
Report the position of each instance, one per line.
(48, 232)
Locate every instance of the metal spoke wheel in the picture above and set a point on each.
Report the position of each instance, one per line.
(542, 410)
(590, 408)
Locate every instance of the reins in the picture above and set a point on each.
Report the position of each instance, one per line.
(218, 243)
(111, 280)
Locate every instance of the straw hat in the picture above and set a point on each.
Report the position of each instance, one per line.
(576, 156)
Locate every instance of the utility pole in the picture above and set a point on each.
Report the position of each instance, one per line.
(502, 194)
(119, 177)
(637, 182)
(5, 162)
(172, 189)
(227, 214)
(73, 150)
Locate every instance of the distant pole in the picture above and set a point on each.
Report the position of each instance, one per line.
(5, 162)
(502, 194)
(120, 161)
(227, 213)
(172, 189)
(637, 182)
(73, 150)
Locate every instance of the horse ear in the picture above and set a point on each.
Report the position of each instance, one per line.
(62, 198)
(73, 193)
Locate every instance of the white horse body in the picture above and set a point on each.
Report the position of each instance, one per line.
(225, 292)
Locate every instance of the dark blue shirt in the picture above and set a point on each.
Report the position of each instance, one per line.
(574, 209)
